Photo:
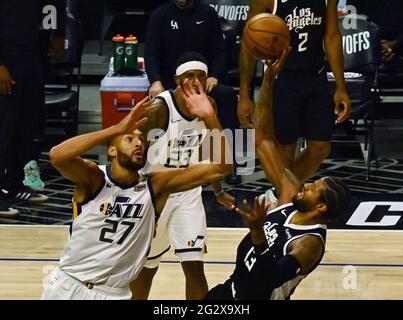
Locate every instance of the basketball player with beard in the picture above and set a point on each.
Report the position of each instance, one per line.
(116, 207)
(302, 102)
(287, 243)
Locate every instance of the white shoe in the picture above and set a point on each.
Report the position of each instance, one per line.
(6, 211)
(271, 198)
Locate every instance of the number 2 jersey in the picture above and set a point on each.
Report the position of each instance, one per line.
(306, 20)
(111, 233)
(253, 278)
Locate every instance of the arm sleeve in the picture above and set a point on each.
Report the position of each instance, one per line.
(279, 271)
(269, 274)
(152, 52)
(216, 49)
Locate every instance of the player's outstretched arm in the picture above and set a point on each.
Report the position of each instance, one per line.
(266, 145)
(247, 64)
(65, 157)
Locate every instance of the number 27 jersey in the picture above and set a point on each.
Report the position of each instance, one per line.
(111, 233)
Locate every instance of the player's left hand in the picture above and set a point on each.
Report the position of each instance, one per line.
(197, 102)
(341, 98)
(226, 200)
(254, 217)
(211, 83)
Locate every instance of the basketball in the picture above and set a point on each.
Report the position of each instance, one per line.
(265, 36)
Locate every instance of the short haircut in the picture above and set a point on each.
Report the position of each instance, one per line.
(337, 197)
(190, 56)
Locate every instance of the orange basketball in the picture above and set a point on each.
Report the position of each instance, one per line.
(265, 36)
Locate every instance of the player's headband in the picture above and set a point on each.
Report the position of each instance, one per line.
(191, 65)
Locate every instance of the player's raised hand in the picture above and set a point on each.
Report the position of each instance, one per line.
(273, 68)
(196, 99)
(254, 217)
(135, 119)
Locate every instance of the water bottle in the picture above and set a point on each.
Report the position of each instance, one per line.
(131, 53)
(118, 54)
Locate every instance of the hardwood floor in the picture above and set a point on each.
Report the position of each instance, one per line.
(356, 265)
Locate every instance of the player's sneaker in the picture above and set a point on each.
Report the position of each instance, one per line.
(5, 210)
(33, 176)
(24, 194)
(271, 198)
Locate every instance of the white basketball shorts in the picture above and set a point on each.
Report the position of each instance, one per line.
(182, 224)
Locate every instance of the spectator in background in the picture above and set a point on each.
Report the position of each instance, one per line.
(21, 97)
(388, 15)
(51, 49)
(180, 26)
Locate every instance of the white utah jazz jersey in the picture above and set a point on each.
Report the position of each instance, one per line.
(111, 234)
(179, 146)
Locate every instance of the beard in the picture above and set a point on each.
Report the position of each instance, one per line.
(300, 204)
(126, 162)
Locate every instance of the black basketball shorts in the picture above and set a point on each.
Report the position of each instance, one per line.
(302, 107)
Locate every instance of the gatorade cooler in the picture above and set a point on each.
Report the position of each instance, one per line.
(119, 94)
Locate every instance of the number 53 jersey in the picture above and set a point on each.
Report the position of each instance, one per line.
(111, 233)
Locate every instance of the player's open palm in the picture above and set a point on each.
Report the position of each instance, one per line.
(196, 99)
(135, 119)
(255, 216)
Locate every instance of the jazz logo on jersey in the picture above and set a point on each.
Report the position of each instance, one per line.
(301, 18)
(180, 150)
(122, 208)
(192, 243)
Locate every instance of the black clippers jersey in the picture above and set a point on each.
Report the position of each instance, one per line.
(306, 20)
(279, 234)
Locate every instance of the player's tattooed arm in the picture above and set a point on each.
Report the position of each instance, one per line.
(266, 143)
(158, 118)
